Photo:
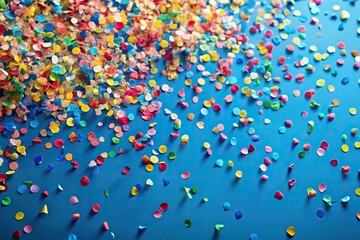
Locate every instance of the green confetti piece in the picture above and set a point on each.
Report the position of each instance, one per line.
(6, 201)
(112, 154)
(327, 199)
(205, 199)
(194, 190)
(310, 128)
(115, 140)
(171, 155)
(188, 223)
(314, 104)
(67, 41)
(321, 115)
(107, 193)
(83, 123)
(275, 106)
(302, 154)
(343, 137)
(7, 103)
(302, 36)
(218, 227)
(28, 183)
(266, 104)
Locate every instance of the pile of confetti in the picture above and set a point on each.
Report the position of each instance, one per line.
(94, 82)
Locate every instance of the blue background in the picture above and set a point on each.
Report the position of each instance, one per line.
(262, 213)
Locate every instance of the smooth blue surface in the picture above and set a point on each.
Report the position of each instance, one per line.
(261, 212)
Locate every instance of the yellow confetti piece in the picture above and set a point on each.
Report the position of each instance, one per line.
(85, 108)
(296, 40)
(230, 164)
(56, 48)
(331, 88)
(344, 148)
(185, 138)
(201, 81)
(207, 104)
(174, 116)
(164, 44)
(149, 167)
(154, 159)
(206, 145)
(153, 70)
(75, 50)
(162, 149)
(352, 111)
(188, 82)
(134, 191)
(19, 216)
(247, 80)
(238, 174)
(357, 191)
(291, 231)
(68, 157)
(335, 102)
(320, 83)
(131, 138)
(318, 57)
(206, 57)
(357, 145)
(44, 210)
(152, 83)
(243, 113)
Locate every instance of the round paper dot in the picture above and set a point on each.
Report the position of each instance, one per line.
(19, 216)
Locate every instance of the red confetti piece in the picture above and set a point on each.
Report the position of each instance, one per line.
(162, 166)
(185, 175)
(106, 225)
(84, 181)
(164, 207)
(157, 214)
(16, 234)
(333, 162)
(324, 145)
(76, 216)
(345, 169)
(95, 208)
(278, 195)
(126, 170)
(100, 160)
(58, 143)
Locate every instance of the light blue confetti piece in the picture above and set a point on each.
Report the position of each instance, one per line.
(219, 163)
(282, 130)
(40, 18)
(233, 141)
(236, 111)
(227, 206)
(275, 156)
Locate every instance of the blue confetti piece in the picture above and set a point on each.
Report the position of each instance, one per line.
(345, 80)
(238, 215)
(166, 181)
(22, 189)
